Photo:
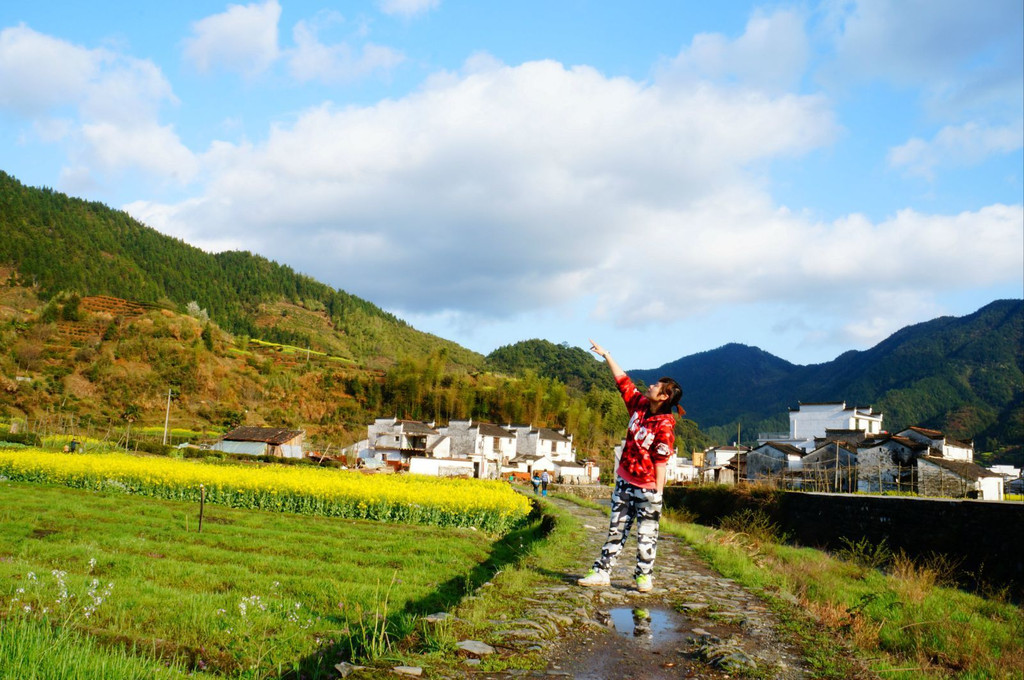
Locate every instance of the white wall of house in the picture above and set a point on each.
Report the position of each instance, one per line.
(943, 446)
(441, 467)
(992, 489)
(811, 420)
(489, 446)
(717, 456)
(680, 469)
(542, 442)
(391, 433)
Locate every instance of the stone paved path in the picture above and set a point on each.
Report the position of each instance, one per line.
(695, 623)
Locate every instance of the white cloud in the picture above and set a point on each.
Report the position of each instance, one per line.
(101, 105)
(962, 55)
(148, 147)
(313, 60)
(501, 190)
(507, 188)
(771, 54)
(39, 73)
(407, 8)
(242, 39)
(962, 145)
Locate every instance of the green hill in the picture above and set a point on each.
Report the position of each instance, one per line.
(573, 366)
(56, 243)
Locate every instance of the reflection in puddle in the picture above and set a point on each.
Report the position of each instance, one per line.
(652, 625)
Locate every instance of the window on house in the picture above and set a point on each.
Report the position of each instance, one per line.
(496, 445)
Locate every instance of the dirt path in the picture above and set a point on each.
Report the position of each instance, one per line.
(694, 624)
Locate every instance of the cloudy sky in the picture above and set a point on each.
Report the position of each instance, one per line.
(664, 176)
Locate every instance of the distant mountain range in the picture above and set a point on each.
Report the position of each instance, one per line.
(963, 375)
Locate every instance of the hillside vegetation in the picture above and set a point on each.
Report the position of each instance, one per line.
(54, 243)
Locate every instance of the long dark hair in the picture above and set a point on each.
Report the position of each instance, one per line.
(675, 394)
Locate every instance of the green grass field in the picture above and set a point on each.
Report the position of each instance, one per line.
(131, 581)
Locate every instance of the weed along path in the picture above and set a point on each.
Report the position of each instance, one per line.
(694, 624)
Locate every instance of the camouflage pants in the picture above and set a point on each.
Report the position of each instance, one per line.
(631, 503)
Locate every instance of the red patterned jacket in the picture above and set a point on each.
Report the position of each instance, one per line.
(650, 439)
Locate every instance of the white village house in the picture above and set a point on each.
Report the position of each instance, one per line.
(948, 468)
(466, 448)
(544, 449)
(410, 445)
(718, 463)
(811, 421)
(491, 448)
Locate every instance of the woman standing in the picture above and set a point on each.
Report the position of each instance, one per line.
(640, 476)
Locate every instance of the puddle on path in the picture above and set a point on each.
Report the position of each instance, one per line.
(656, 627)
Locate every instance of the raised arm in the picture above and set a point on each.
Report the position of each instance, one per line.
(617, 371)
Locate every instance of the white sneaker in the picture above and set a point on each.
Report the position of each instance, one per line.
(595, 578)
(644, 583)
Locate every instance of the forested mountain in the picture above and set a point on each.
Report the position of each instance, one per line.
(962, 375)
(58, 243)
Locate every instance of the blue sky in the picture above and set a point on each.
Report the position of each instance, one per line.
(664, 177)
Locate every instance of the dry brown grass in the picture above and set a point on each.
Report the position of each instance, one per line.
(861, 631)
(80, 386)
(913, 582)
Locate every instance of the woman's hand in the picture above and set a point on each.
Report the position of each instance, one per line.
(598, 350)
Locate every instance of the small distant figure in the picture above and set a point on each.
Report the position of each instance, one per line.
(535, 480)
(544, 480)
(73, 445)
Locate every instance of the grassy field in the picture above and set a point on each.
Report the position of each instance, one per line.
(902, 618)
(100, 580)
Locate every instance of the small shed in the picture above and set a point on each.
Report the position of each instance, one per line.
(262, 441)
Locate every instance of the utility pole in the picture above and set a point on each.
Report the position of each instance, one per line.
(837, 467)
(167, 416)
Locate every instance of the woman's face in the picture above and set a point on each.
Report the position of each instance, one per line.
(657, 393)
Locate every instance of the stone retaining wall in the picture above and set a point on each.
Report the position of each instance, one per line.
(593, 492)
(984, 536)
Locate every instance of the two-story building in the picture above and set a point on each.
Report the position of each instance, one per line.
(490, 447)
(396, 443)
(811, 421)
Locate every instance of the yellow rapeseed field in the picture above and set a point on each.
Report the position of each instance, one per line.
(488, 505)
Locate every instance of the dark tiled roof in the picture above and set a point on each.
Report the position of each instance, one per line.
(933, 434)
(270, 435)
(788, 449)
(909, 443)
(416, 427)
(491, 430)
(547, 433)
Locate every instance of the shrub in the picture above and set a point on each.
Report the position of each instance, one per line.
(754, 523)
(864, 553)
